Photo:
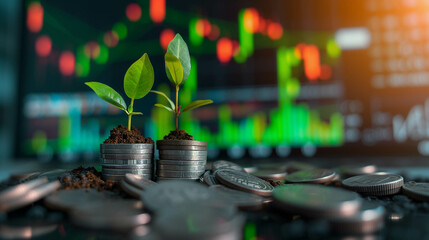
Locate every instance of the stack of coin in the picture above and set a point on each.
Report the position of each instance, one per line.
(119, 159)
(181, 159)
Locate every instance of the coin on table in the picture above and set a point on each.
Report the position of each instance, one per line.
(23, 175)
(243, 181)
(221, 164)
(66, 200)
(374, 184)
(270, 174)
(119, 215)
(209, 179)
(316, 201)
(369, 219)
(130, 189)
(354, 170)
(138, 181)
(311, 176)
(21, 189)
(173, 193)
(240, 199)
(32, 195)
(416, 190)
(294, 166)
(281, 166)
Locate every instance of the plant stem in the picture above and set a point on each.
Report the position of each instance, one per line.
(177, 108)
(130, 115)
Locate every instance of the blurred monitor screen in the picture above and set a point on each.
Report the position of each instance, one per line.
(288, 78)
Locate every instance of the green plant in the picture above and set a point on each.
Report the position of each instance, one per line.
(138, 81)
(177, 68)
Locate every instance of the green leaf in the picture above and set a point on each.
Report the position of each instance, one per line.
(196, 104)
(130, 109)
(108, 94)
(168, 99)
(178, 48)
(163, 106)
(136, 113)
(139, 78)
(174, 68)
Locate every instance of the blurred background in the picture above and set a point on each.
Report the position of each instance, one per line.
(288, 78)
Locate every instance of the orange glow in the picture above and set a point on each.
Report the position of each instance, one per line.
(203, 27)
(262, 25)
(251, 20)
(67, 63)
(299, 50)
(275, 31)
(235, 48)
(311, 58)
(43, 46)
(133, 12)
(111, 38)
(214, 33)
(157, 10)
(166, 36)
(325, 72)
(35, 17)
(224, 50)
(92, 50)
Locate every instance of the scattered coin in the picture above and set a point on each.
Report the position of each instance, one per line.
(130, 189)
(209, 179)
(70, 199)
(294, 166)
(243, 181)
(173, 193)
(280, 166)
(240, 199)
(23, 175)
(374, 184)
(52, 174)
(369, 219)
(311, 176)
(32, 195)
(351, 171)
(417, 191)
(270, 174)
(220, 164)
(316, 201)
(119, 216)
(250, 169)
(20, 190)
(138, 181)
(25, 232)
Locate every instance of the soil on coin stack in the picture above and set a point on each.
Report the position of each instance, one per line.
(85, 178)
(178, 135)
(122, 135)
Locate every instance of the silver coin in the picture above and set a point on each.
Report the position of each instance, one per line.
(416, 191)
(179, 174)
(316, 200)
(240, 199)
(374, 184)
(158, 179)
(181, 168)
(181, 143)
(31, 196)
(294, 166)
(113, 216)
(369, 219)
(280, 166)
(181, 163)
(130, 189)
(311, 176)
(220, 164)
(209, 179)
(20, 190)
(127, 162)
(118, 166)
(181, 158)
(148, 156)
(27, 231)
(67, 200)
(183, 153)
(138, 181)
(124, 171)
(126, 151)
(244, 182)
(133, 146)
(117, 178)
(23, 175)
(189, 148)
(354, 170)
(174, 193)
(270, 174)
(250, 169)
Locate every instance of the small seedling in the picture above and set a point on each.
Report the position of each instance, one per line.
(177, 68)
(138, 81)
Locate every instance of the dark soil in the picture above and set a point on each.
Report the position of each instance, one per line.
(85, 178)
(178, 135)
(122, 135)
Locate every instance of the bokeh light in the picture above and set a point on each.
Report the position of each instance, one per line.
(111, 38)
(133, 12)
(92, 50)
(325, 72)
(224, 49)
(67, 63)
(275, 30)
(251, 20)
(214, 33)
(157, 10)
(121, 30)
(311, 58)
(166, 36)
(35, 17)
(43, 46)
